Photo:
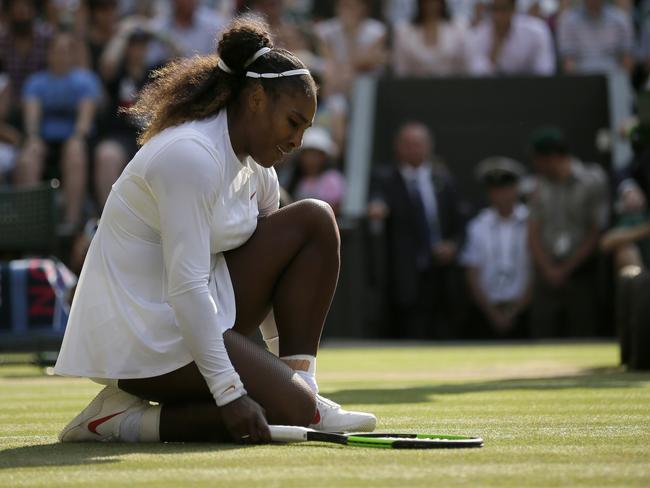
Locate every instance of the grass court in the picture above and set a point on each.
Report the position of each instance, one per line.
(550, 414)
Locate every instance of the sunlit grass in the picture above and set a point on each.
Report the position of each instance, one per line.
(551, 415)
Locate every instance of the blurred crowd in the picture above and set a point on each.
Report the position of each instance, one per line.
(69, 67)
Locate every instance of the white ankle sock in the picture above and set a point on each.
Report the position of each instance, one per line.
(150, 425)
(130, 425)
(305, 366)
(141, 425)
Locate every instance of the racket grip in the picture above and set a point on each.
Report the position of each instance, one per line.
(288, 433)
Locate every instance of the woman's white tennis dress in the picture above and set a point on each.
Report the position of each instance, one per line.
(155, 293)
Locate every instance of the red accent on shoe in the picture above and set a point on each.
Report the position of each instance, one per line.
(316, 418)
(92, 426)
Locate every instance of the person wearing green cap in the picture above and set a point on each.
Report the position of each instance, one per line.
(569, 208)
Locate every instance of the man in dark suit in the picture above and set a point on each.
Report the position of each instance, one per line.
(418, 201)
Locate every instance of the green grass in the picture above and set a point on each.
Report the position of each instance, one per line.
(551, 415)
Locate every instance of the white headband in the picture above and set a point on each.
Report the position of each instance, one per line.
(260, 52)
(251, 74)
(223, 66)
(291, 72)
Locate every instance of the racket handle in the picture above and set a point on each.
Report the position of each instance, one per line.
(288, 433)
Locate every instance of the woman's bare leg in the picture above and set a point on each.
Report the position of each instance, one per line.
(74, 171)
(291, 263)
(189, 412)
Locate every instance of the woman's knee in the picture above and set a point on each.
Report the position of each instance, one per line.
(319, 219)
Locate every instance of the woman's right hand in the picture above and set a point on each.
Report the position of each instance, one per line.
(245, 421)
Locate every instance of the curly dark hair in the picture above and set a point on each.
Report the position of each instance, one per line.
(195, 88)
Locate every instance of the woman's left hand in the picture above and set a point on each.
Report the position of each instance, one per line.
(245, 421)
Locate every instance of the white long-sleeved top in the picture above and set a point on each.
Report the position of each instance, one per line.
(155, 292)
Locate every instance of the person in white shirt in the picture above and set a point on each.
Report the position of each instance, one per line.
(187, 29)
(353, 44)
(192, 252)
(431, 45)
(508, 43)
(496, 255)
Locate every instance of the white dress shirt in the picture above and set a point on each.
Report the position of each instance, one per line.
(528, 49)
(413, 56)
(332, 33)
(498, 248)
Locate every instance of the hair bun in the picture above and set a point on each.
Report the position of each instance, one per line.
(244, 37)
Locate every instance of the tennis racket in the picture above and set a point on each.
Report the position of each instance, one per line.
(290, 433)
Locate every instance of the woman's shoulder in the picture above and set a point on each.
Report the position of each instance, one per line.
(202, 135)
(183, 153)
(37, 80)
(83, 75)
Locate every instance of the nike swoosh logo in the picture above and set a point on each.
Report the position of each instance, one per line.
(231, 387)
(92, 426)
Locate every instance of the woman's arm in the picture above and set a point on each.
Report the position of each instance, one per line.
(32, 113)
(85, 117)
(185, 180)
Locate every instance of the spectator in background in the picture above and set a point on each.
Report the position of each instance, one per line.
(352, 44)
(59, 107)
(566, 218)
(418, 200)
(496, 256)
(189, 27)
(23, 46)
(295, 35)
(629, 240)
(332, 113)
(9, 136)
(398, 11)
(124, 72)
(314, 175)
(478, 13)
(285, 34)
(643, 45)
(432, 45)
(595, 37)
(101, 26)
(508, 43)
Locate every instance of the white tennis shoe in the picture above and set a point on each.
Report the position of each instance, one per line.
(330, 417)
(100, 420)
